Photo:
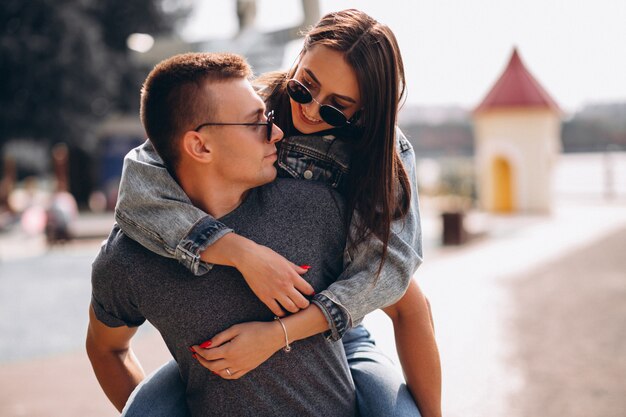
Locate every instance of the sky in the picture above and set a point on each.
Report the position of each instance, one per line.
(454, 50)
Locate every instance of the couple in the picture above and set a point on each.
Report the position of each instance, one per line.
(345, 209)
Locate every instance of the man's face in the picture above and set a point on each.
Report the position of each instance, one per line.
(242, 154)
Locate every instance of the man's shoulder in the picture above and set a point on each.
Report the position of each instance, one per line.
(291, 188)
(119, 252)
(296, 194)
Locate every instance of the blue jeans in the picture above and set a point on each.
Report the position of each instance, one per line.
(380, 389)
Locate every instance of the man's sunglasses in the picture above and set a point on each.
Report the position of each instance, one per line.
(269, 124)
(300, 94)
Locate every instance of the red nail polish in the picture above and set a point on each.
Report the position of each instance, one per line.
(190, 348)
(195, 356)
(206, 344)
(307, 267)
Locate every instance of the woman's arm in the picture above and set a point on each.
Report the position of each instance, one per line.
(243, 347)
(359, 290)
(417, 349)
(153, 210)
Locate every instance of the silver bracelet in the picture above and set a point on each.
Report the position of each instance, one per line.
(287, 348)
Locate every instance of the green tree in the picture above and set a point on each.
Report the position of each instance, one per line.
(64, 64)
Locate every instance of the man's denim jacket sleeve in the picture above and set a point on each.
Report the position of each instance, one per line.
(358, 291)
(153, 210)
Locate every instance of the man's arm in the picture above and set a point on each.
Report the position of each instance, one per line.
(417, 349)
(113, 361)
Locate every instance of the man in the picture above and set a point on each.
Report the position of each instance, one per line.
(209, 127)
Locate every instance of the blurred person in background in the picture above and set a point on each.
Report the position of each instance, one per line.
(338, 107)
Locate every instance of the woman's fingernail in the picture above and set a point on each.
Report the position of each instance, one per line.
(205, 344)
(195, 356)
(313, 293)
(305, 266)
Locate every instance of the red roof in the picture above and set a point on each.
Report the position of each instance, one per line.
(516, 87)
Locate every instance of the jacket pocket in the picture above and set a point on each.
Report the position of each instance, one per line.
(300, 164)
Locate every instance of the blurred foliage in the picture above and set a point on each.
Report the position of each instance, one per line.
(64, 64)
(605, 124)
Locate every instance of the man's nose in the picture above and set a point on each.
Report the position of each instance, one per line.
(277, 134)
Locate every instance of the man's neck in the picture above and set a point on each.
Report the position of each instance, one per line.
(213, 197)
(219, 203)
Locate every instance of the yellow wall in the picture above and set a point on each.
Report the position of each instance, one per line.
(502, 185)
(529, 141)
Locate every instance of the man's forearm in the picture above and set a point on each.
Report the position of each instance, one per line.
(118, 373)
(417, 350)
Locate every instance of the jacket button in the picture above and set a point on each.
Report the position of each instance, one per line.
(308, 174)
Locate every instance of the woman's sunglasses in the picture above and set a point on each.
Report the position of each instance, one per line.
(300, 94)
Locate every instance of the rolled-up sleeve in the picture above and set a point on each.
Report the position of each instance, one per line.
(153, 210)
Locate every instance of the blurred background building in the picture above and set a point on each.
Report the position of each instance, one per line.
(517, 130)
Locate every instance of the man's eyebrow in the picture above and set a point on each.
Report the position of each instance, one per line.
(346, 98)
(255, 115)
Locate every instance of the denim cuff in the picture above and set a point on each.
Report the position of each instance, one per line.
(203, 234)
(338, 319)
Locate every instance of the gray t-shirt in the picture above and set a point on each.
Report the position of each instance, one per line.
(300, 220)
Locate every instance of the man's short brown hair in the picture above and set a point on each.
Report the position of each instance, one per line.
(173, 100)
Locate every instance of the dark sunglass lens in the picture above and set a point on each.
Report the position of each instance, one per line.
(298, 92)
(270, 125)
(333, 116)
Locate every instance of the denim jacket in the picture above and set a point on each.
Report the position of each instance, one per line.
(153, 210)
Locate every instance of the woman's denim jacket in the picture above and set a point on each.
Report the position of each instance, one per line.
(153, 210)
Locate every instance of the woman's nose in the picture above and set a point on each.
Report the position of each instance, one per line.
(313, 109)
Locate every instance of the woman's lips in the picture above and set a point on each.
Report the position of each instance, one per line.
(306, 119)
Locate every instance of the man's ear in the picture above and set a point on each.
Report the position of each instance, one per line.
(197, 146)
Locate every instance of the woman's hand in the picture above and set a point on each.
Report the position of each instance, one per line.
(239, 349)
(273, 279)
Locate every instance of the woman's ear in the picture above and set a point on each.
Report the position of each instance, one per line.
(196, 147)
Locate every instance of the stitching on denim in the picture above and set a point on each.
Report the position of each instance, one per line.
(122, 219)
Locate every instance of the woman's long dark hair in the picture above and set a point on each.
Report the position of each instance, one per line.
(378, 185)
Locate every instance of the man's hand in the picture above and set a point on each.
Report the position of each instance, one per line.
(241, 348)
(273, 279)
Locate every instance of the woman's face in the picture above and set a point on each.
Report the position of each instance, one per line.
(331, 80)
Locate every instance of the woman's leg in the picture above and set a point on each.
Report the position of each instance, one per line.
(161, 394)
(380, 389)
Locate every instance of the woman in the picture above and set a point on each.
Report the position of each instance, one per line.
(338, 109)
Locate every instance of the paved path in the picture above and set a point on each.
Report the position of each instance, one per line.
(477, 308)
(570, 333)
